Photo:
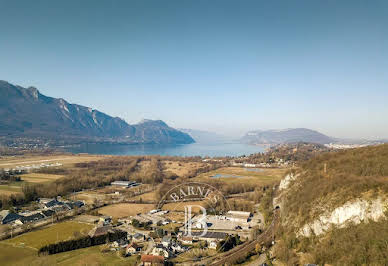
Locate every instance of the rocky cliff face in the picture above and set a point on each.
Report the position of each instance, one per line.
(356, 211)
(363, 208)
(334, 209)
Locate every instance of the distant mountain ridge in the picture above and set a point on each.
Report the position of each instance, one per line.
(27, 112)
(202, 136)
(290, 135)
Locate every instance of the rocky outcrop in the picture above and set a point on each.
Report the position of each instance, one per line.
(285, 182)
(355, 212)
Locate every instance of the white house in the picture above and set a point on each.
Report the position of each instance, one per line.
(213, 245)
(160, 250)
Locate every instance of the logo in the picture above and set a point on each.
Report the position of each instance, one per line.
(201, 221)
(195, 209)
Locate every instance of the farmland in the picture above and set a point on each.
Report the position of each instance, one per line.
(149, 196)
(91, 181)
(11, 162)
(180, 206)
(242, 175)
(51, 234)
(125, 209)
(12, 188)
(12, 255)
(40, 177)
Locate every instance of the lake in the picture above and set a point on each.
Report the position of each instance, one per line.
(195, 149)
(224, 176)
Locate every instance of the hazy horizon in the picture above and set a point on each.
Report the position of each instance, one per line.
(219, 66)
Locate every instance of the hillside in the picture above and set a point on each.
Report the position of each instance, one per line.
(337, 216)
(291, 135)
(25, 112)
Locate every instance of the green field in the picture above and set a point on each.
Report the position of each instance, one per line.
(23, 249)
(242, 175)
(57, 232)
(11, 255)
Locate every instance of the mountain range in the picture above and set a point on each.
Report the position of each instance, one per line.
(25, 112)
(290, 135)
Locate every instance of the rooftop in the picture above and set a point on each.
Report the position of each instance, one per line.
(152, 258)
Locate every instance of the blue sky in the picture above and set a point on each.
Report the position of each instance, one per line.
(225, 66)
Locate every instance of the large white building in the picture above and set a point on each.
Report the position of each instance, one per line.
(238, 216)
(123, 183)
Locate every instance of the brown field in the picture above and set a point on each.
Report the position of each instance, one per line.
(180, 206)
(125, 209)
(40, 178)
(89, 196)
(149, 196)
(85, 218)
(113, 189)
(13, 188)
(175, 216)
(9, 193)
(181, 168)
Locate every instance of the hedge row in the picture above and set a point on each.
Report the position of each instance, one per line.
(83, 242)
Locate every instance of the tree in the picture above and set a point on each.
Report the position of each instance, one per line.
(258, 248)
(135, 223)
(30, 192)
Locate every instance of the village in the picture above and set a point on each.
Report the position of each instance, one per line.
(125, 221)
(155, 236)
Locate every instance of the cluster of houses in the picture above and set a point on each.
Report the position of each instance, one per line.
(164, 247)
(47, 208)
(278, 162)
(135, 244)
(168, 248)
(212, 238)
(27, 168)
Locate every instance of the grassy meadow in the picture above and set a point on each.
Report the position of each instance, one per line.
(22, 250)
(50, 234)
(13, 255)
(242, 175)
